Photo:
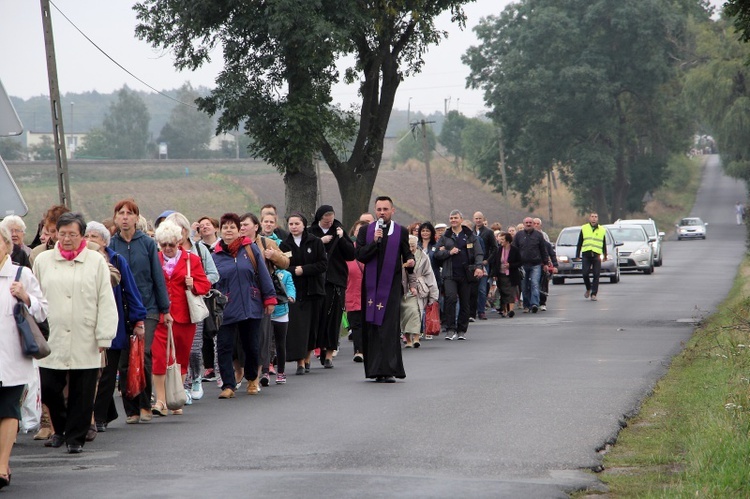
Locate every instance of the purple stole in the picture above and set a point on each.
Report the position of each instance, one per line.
(379, 286)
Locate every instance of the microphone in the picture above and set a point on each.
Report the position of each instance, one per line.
(381, 225)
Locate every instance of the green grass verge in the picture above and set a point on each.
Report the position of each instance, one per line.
(691, 437)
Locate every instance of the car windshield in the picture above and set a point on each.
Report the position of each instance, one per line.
(628, 234)
(691, 221)
(568, 237)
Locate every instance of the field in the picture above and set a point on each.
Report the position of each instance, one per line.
(196, 188)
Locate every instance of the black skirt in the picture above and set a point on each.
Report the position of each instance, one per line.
(304, 322)
(10, 401)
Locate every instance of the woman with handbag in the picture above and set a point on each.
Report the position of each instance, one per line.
(246, 283)
(193, 381)
(183, 273)
(420, 290)
(16, 370)
(130, 309)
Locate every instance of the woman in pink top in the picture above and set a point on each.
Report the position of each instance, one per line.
(353, 299)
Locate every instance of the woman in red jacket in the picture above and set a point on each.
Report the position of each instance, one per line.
(174, 263)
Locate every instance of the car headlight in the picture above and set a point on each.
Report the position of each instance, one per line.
(563, 259)
(641, 251)
(682, 231)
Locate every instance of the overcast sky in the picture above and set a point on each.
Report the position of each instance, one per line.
(110, 24)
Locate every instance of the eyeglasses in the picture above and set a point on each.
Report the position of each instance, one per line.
(17, 231)
(68, 235)
(168, 245)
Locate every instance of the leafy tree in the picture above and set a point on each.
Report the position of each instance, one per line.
(587, 85)
(45, 150)
(124, 130)
(479, 142)
(450, 135)
(410, 145)
(717, 89)
(279, 66)
(11, 149)
(189, 130)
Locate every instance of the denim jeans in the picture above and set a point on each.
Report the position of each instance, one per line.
(532, 274)
(482, 296)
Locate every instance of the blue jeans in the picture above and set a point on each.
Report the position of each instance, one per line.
(482, 296)
(532, 274)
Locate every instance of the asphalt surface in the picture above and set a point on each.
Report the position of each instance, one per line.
(520, 409)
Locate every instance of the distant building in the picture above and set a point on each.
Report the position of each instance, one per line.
(73, 141)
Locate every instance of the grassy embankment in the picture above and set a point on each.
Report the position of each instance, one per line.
(691, 437)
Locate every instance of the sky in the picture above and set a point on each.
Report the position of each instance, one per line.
(111, 24)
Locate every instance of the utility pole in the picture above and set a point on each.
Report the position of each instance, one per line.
(61, 158)
(408, 114)
(426, 151)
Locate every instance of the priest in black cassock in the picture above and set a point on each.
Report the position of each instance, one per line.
(383, 246)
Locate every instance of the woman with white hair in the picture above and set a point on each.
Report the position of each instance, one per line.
(420, 290)
(20, 252)
(174, 262)
(131, 316)
(16, 370)
(193, 381)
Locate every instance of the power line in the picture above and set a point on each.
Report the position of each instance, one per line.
(117, 63)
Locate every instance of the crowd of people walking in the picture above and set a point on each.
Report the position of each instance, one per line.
(289, 293)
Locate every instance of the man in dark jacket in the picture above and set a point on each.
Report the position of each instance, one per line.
(530, 244)
(339, 249)
(461, 255)
(489, 244)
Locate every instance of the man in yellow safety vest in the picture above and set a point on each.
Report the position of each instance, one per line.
(592, 247)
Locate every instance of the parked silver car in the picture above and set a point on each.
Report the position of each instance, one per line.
(636, 252)
(691, 228)
(569, 268)
(650, 226)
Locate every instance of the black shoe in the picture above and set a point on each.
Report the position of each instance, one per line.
(322, 357)
(389, 379)
(91, 434)
(75, 448)
(380, 379)
(534, 309)
(101, 427)
(307, 367)
(511, 313)
(55, 441)
(300, 371)
(328, 364)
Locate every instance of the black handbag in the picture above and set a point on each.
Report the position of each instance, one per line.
(33, 343)
(215, 302)
(281, 296)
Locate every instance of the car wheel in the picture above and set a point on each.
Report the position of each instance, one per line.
(558, 280)
(614, 279)
(649, 270)
(679, 238)
(657, 263)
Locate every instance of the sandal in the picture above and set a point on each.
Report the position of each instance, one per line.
(159, 409)
(177, 412)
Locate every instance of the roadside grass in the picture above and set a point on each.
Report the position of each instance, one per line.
(691, 437)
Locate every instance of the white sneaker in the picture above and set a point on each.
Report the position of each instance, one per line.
(543, 308)
(189, 400)
(196, 390)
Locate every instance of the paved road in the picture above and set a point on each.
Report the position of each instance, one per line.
(518, 410)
